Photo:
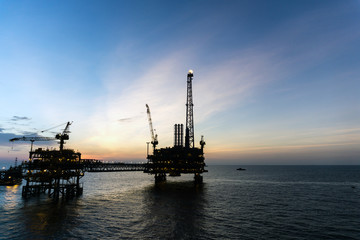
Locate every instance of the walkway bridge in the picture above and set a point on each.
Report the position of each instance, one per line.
(98, 166)
(58, 172)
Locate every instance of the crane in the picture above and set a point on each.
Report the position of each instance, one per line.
(154, 140)
(53, 127)
(32, 140)
(60, 136)
(64, 135)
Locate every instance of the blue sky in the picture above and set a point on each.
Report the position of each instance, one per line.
(275, 82)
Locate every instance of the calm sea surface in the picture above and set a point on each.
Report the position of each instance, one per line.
(263, 202)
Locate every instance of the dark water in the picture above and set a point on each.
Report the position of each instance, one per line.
(264, 202)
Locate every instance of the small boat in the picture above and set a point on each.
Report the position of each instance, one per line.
(241, 169)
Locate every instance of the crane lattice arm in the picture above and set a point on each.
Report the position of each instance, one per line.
(154, 140)
(60, 136)
(32, 140)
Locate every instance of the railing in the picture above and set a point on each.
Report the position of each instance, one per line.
(113, 167)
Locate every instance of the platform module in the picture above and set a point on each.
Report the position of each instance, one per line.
(181, 158)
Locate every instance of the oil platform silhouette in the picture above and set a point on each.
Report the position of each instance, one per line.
(181, 158)
(58, 172)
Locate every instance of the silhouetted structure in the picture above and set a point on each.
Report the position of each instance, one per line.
(12, 176)
(54, 171)
(57, 172)
(178, 134)
(98, 166)
(179, 159)
(60, 136)
(189, 137)
(154, 140)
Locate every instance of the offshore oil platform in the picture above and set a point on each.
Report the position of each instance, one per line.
(12, 176)
(58, 172)
(182, 157)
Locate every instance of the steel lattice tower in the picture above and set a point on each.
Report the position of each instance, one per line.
(189, 137)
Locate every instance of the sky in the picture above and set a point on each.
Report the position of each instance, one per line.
(275, 82)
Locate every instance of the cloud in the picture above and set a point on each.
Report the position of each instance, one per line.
(17, 118)
(17, 129)
(125, 120)
(313, 38)
(225, 77)
(6, 134)
(162, 85)
(5, 137)
(230, 83)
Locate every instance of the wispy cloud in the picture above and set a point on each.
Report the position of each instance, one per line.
(312, 38)
(107, 103)
(230, 83)
(161, 86)
(282, 140)
(283, 148)
(126, 120)
(18, 118)
(5, 137)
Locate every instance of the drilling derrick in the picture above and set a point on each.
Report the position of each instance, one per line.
(189, 134)
(179, 159)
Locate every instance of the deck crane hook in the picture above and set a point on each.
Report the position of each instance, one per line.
(154, 140)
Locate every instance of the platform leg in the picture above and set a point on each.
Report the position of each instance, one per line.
(198, 178)
(161, 177)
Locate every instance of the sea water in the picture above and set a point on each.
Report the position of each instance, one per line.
(263, 202)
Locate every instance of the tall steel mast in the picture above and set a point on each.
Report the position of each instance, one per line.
(189, 135)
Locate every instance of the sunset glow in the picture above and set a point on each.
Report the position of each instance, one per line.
(271, 85)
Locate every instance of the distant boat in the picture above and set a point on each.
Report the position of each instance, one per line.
(241, 169)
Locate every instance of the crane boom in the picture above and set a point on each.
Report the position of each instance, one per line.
(154, 140)
(60, 136)
(53, 127)
(32, 140)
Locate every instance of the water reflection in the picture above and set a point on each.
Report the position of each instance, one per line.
(174, 210)
(11, 197)
(42, 217)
